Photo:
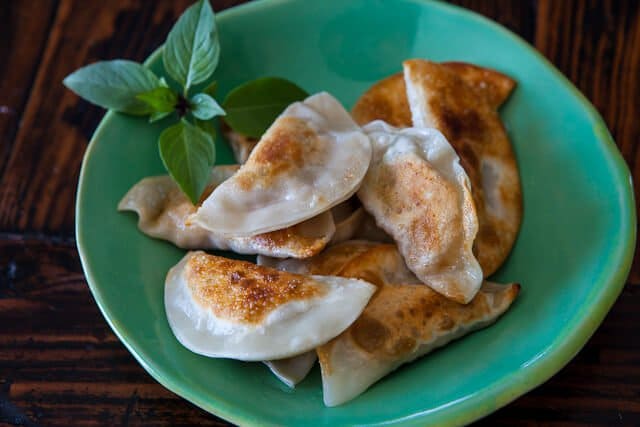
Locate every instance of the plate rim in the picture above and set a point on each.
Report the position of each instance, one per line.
(487, 399)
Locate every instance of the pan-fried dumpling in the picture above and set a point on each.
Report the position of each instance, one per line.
(347, 216)
(228, 308)
(401, 322)
(294, 369)
(418, 193)
(163, 211)
(312, 158)
(440, 98)
(387, 99)
(489, 163)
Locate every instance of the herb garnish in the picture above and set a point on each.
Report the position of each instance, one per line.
(190, 57)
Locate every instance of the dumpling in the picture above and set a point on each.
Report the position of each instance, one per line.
(163, 212)
(294, 369)
(347, 216)
(418, 193)
(228, 308)
(312, 158)
(439, 98)
(463, 89)
(401, 322)
(387, 99)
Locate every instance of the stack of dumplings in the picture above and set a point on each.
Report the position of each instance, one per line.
(374, 231)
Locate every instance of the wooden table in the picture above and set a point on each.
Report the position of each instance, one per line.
(60, 364)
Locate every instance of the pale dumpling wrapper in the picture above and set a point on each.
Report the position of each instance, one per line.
(164, 212)
(417, 192)
(312, 158)
(221, 307)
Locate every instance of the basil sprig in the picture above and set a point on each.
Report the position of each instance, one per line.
(190, 56)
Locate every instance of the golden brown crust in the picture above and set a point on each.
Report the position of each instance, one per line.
(242, 291)
(282, 150)
(474, 129)
(490, 84)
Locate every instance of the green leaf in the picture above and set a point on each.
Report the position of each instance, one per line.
(114, 84)
(192, 49)
(158, 115)
(161, 99)
(253, 106)
(188, 154)
(204, 107)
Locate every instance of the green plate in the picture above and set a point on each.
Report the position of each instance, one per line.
(572, 255)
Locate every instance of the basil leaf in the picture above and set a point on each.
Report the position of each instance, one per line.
(253, 106)
(192, 50)
(114, 84)
(160, 99)
(188, 154)
(204, 107)
(158, 115)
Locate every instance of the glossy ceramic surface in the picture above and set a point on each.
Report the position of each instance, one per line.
(572, 256)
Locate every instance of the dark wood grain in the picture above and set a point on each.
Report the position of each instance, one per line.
(23, 40)
(61, 365)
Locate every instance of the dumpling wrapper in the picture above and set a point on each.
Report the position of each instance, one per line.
(440, 98)
(163, 212)
(418, 193)
(489, 163)
(401, 322)
(347, 216)
(293, 369)
(221, 307)
(312, 158)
